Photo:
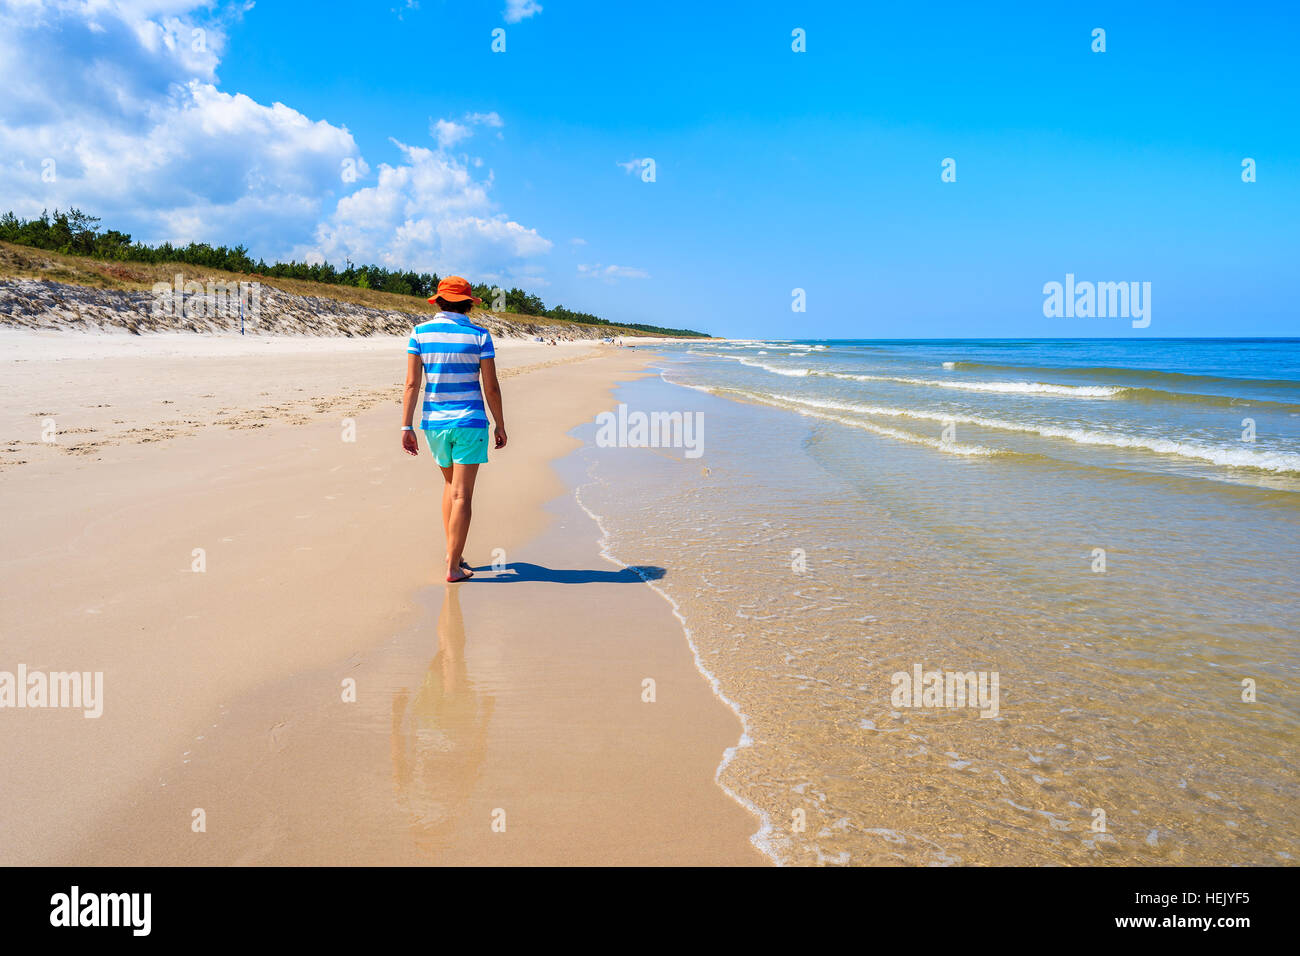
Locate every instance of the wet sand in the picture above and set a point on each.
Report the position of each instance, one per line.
(498, 721)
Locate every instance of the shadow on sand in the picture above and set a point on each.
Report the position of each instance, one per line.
(523, 571)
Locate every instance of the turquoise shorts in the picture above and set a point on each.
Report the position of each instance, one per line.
(464, 446)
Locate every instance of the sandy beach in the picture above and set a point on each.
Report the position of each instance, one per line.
(423, 445)
(227, 530)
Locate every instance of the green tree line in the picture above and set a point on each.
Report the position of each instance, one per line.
(77, 233)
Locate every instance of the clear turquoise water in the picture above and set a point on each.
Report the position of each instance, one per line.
(949, 500)
(1168, 406)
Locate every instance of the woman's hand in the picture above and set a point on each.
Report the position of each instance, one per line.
(500, 437)
(409, 444)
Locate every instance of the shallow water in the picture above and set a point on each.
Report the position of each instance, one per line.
(832, 536)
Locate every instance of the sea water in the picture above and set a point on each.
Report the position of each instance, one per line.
(1108, 528)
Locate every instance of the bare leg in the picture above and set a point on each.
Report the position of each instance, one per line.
(447, 474)
(462, 494)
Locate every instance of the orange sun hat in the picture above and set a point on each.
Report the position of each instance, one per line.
(455, 289)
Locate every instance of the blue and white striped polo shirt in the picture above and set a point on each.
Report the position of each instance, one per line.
(451, 348)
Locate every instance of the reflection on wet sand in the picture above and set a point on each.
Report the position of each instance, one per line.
(439, 737)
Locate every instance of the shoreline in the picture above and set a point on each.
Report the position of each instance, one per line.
(893, 556)
(761, 839)
(178, 660)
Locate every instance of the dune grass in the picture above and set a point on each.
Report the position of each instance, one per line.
(25, 262)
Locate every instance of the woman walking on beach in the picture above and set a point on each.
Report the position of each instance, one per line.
(453, 355)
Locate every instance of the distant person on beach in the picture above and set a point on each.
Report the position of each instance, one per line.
(453, 355)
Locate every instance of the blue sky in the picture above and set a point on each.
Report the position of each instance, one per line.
(775, 170)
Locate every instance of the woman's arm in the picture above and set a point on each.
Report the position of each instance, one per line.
(414, 385)
(492, 395)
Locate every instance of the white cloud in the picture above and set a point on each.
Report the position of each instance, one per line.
(428, 214)
(141, 134)
(577, 242)
(517, 10)
(138, 131)
(610, 273)
(449, 133)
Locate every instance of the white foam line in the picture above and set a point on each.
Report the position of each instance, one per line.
(951, 448)
(1003, 388)
(1012, 388)
(762, 840)
(663, 375)
(793, 372)
(1278, 462)
(1228, 457)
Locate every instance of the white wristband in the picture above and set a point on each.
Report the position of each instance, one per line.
(407, 428)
